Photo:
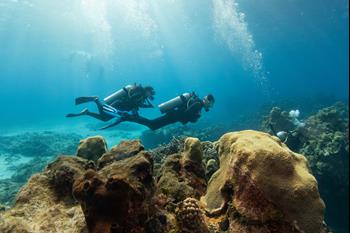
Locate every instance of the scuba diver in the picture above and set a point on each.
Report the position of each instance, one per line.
(290, 135)
(184, 108)
(129, 98)
(292, 138)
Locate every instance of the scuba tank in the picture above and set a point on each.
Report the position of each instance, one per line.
(175, 103)
(283, 136)
(120, 94)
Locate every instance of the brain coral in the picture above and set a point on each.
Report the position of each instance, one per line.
(264, 185)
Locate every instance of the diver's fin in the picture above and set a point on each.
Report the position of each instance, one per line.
(81, 100)
(78, 114)
(73, 115)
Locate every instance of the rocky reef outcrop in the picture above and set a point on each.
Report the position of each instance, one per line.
(124, 149)
(92, 148)
(116, 198)
(42, 207)
(260, 187)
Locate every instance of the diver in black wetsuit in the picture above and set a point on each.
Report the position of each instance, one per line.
(185, 108)
(129, 98)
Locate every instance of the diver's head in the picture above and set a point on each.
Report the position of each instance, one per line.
(149, 92)
(208, 102)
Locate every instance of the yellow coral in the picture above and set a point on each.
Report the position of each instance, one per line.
(267, 179)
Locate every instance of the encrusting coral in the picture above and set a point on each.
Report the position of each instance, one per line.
(260, 187)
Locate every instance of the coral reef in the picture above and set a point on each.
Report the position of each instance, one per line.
(324, 140)
(204, 131)
(177, 144)
(92, 148)
(183, 174)
(161, 152)
(39, 144)
(326, 145)
(258, 186)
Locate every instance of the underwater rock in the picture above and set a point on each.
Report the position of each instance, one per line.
(37, 209)
(115, 199)
(63, 171)
(92, 148)
(124, 149)
(263, 186)
(183, 175)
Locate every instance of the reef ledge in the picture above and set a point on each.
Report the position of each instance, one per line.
(258, 186)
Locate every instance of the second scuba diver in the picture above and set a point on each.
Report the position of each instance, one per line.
(184, 108)
(127, 99)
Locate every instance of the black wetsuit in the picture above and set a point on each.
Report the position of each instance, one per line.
(134, 100)
(190, 112)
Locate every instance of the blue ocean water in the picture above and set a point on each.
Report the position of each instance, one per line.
(247, 53)
(244, 52)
